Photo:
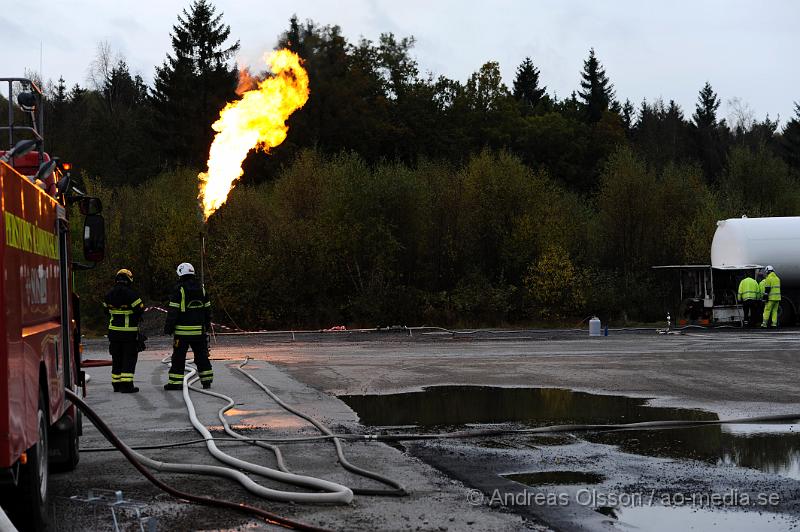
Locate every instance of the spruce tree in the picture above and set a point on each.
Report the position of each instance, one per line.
(705, 114)
(709, 147)
(194, 83)
(598, 92)
(627, 115)
(60, 92)
(526, 84)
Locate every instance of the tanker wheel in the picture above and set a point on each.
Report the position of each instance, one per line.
(29, 510)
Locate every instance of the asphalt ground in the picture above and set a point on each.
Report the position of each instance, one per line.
(728, 372)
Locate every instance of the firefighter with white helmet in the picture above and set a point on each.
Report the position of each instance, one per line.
(771, 296)
(124, 308)
(189, 321)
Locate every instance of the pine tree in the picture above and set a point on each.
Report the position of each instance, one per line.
(705, 115)
(119, 88)
(709, 133)
(194, 83)
(627, 115)
(791, 139)
(60, 92)
(598, 92)
(76, 93)
(526, 84)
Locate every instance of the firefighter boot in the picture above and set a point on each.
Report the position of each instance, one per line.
(127, 387)
(115, 385)
(173, 386)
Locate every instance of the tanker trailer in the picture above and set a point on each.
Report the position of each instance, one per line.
(741, 246)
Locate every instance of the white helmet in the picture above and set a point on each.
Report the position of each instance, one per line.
(769, 269)
(185, 268)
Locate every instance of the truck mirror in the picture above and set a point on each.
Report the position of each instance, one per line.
(27, 100)
(45, 170)
(94, 237)
(90, 206)
(20, 148)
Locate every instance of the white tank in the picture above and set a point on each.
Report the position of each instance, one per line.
(742, 242)
(594, 326)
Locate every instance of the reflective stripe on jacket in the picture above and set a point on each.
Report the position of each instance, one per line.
(749, 289)
(189, 311)
(124, 308)
(772, 287)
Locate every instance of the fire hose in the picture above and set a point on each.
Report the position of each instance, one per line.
(333, 493)
(139, 461)
(338, 493)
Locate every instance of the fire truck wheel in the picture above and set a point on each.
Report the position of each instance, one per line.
(33, 476)
(67, 444)
(73, 449)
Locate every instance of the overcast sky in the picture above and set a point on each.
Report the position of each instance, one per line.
(650, 49)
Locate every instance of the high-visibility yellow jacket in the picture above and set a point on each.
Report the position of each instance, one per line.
(772, 287)
(749, 289)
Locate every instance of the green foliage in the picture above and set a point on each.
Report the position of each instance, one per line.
(555, 285)
(790, 140)
(193, 84)
(758, 183)
(402, 197)
(705, 114)
(598, 91)
(526, 84)
(150, 229)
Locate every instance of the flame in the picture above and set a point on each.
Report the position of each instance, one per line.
(257, 120)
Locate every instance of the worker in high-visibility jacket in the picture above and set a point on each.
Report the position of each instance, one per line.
(749, 296)
(772, 297)
(124, 308)
(189, 321)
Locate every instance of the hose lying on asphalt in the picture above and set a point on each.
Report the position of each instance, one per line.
(479, 433)
(140, 461)
(397, 489)
(332, 492)
(555, 429)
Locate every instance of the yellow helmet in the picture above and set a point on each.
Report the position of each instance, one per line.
(124, 275)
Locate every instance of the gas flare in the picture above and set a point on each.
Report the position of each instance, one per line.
(257, 120)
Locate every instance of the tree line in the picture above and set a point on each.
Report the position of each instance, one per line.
(404, 197)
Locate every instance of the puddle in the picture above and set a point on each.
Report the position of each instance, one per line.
(461, 405)
(671, 518)
(776, 451)
(557, 478)
(768, 448)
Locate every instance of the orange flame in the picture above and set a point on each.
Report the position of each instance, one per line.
(257, 120)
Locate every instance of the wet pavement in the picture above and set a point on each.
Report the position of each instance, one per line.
(437, 380)
(770, 448)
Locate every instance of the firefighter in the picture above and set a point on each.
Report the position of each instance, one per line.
(772, 297)
(124, 308)
(189, 321)
(749, 295)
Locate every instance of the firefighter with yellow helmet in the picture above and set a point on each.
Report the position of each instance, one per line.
(124, 309)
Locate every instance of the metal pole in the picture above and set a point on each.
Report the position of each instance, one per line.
(202, 259)
(10, 115)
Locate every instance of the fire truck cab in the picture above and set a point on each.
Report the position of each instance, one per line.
(40, 318)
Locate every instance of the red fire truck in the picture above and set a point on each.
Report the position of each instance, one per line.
(40, 317)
